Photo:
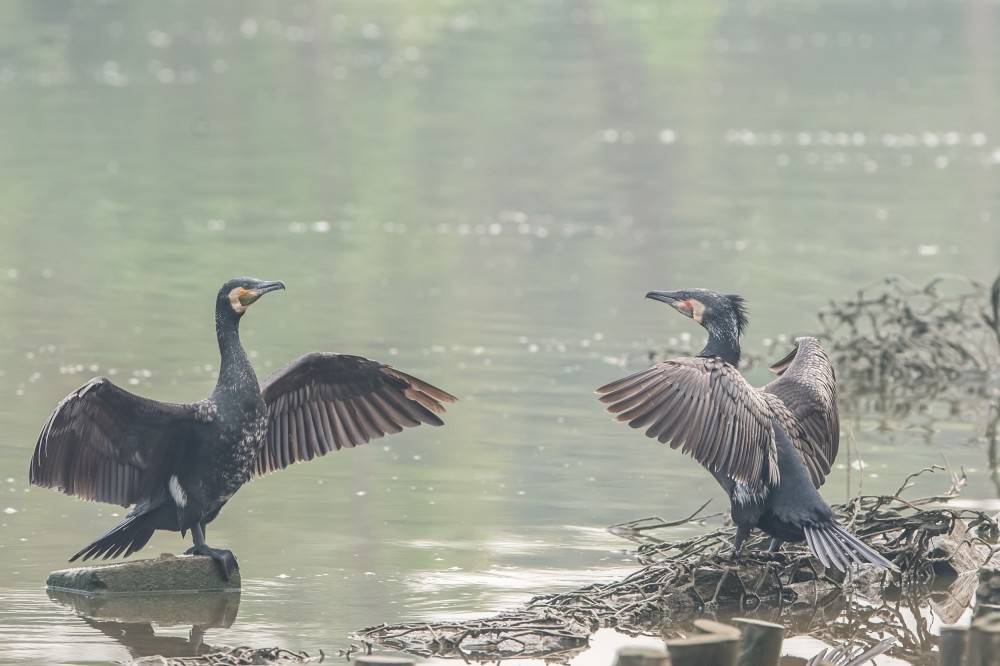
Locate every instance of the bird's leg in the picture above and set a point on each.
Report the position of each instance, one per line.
(742, 532)
(775, 545)
(196, 638)
(224, 558)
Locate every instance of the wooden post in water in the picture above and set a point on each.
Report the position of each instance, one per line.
(761, 642)
(717, 645)
(988, 592)
(705, 626)
(637, 655)
(985, 609)
(951, 646)
(984, 641)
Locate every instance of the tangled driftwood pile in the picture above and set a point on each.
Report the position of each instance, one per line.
(895, 341)
(238, 656)
(933, 545)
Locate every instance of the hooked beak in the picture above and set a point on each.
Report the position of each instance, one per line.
(265, 287)
(668, 297)
(251, 295)
(672, 299)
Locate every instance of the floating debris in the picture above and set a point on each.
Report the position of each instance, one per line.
(237, 656)
(895, 331)
(938, 548)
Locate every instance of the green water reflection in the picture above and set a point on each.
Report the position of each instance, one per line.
(479, 193)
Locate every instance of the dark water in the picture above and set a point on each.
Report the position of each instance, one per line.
(478, 193)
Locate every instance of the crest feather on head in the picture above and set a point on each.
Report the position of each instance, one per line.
(739, 311)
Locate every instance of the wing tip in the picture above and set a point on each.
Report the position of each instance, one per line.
(425, 387)
(437, 422)
(781, 365)
(447, 397)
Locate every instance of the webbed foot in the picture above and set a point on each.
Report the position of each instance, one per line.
(224, 558)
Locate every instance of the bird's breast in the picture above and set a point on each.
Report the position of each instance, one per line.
(233, 456)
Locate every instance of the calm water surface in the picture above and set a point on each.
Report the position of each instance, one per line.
(479, 193)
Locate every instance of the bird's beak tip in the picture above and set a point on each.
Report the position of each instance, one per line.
(267, 287)
(662, 296)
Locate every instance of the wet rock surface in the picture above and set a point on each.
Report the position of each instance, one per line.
(167, 573)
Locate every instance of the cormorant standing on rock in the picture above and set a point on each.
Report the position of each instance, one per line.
(180, 463)
(769, 448)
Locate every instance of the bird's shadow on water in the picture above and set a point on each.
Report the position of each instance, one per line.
(129, 620)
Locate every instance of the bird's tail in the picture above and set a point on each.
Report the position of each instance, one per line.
(123, 539)
(837, 548)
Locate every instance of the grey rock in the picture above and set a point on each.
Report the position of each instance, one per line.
(167, 573)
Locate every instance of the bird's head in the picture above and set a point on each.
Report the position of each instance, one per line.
(240, 293)
(714, 311)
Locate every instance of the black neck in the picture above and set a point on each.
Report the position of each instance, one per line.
(234, 362)
(724, 342)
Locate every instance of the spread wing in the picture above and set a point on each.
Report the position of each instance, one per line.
(704, 406)
(807, 385)
(322, 402)
(105, 444)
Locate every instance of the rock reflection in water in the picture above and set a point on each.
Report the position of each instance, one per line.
(130, 620)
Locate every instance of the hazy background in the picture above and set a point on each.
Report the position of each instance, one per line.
(479, 193)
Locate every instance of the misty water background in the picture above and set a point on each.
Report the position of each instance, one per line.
(479, 193)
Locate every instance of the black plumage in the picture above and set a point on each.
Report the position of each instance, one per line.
(179, 464)
(770, 448)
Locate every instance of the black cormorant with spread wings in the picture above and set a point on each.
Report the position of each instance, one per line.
(179, 464)
(769, 448)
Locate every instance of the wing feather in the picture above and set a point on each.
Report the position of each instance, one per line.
(346, 413)
(340, 433)
(105, 444)
(807, 387)
(327, 442)
(395, 413)
(707, 409)
(322, 402)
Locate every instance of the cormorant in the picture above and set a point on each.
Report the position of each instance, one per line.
(769, 448)
(179, 464)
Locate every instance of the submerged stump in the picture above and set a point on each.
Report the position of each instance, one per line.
(167, 573)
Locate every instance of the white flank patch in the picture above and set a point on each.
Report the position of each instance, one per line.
(180, 497)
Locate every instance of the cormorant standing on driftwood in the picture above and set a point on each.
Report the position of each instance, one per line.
(769, 448)
(180, 463)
